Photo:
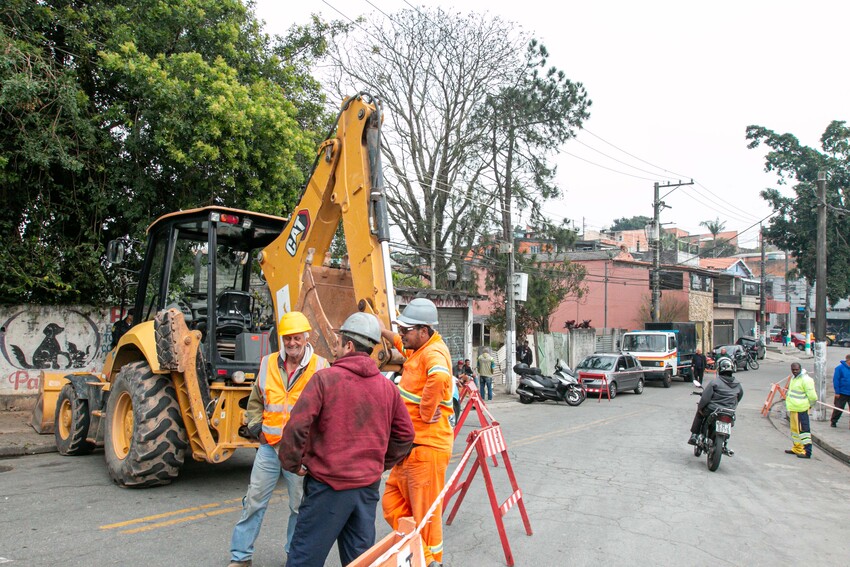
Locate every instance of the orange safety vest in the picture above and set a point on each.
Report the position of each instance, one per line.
(431, 361)
(277, 399)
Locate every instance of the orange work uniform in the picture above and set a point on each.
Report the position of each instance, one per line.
(415, 482)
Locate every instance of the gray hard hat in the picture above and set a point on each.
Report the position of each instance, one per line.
(362, 327)
(420, 311)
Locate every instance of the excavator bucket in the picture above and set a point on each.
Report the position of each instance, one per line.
(50, 384)
(327, 299)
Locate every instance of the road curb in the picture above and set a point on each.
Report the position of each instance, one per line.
(7, 452)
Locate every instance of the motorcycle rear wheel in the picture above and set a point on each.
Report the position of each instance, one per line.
(575, 397)
(715, 451)
(525, 399)
(754, 364)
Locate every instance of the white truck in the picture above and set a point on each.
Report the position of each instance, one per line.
(664, 350)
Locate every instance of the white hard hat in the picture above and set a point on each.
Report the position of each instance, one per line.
(420, 311)
(362, 327)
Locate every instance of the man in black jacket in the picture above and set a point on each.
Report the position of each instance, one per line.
(699, 367)
(722, 392)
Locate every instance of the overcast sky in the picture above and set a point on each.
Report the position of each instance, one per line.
(674, 84)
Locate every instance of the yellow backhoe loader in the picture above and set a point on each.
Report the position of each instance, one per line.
(214, 282)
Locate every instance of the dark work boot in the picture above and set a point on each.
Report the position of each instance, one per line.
(693, 439)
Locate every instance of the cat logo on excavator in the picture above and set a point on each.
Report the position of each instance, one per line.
(300, 226)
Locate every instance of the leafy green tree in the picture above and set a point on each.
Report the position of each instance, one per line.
(113, 112)
(551, 280)
(793, 227)
(637, 222)
(720, 247)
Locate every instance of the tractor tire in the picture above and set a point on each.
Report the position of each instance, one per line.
(145, 439)
(71, 423)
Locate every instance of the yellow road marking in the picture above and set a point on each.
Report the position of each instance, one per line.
(181, 520)
(177, 513)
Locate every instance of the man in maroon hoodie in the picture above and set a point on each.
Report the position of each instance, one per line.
(347, 428)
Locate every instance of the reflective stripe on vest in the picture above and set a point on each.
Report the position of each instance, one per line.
(277, 400)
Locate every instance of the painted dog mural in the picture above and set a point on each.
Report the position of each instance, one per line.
(34, 338)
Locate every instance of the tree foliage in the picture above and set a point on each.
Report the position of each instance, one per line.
(115, 112)
(719, 248)
(637, 222)
(550, 283)
(794, 227)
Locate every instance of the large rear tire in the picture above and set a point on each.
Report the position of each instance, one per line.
(145, 440)
(714, 453)
(71, 424)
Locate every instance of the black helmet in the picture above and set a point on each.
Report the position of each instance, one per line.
(724, 366)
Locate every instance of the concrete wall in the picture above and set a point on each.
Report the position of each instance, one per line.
(72, 338)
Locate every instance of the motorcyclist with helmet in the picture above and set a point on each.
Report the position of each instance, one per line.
(722, 392)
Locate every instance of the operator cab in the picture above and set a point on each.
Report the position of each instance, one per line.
(203, 262)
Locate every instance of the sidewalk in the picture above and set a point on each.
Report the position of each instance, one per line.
(17, 437)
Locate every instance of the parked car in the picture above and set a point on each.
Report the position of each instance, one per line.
(754, 344)
(843, 339)
(622, 371)
(775, 335)
(735, 352)
(799, 340)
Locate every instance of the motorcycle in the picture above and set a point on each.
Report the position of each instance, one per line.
(752, 359)
(714, 436)
(561, 386)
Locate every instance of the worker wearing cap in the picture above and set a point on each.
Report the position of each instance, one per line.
(348, 427)
(278, 385)
(426, 388)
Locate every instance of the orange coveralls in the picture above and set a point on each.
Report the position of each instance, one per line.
(415, 482)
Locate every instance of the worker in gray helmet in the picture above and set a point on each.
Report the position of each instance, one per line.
(426, 388)
(348, 427)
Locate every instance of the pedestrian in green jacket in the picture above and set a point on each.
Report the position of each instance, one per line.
(800, 397)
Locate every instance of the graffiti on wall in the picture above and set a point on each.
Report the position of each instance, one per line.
(54, 339)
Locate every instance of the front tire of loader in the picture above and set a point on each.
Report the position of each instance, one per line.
(71, 424)
(145, 440)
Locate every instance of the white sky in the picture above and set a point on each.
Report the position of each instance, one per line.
(674, 83)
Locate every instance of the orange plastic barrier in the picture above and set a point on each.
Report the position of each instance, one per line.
(409, 554)
(488, 442)
(774, 388)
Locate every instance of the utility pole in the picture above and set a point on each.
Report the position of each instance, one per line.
(762, 299)
(820, 301)
(655, 275)
(510, 324)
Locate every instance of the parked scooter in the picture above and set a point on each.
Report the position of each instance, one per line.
(561, 386)
(714, 436)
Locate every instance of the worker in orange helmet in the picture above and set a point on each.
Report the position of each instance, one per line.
(426, 389)
(278, 386)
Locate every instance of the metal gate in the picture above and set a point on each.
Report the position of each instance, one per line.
(452, 327)
(724, 332)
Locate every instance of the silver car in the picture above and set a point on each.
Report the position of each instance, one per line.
(622, 371)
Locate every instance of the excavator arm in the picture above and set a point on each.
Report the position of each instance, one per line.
(346, 185)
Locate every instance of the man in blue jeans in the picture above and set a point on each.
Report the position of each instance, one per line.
(278, 386)
(486, 365)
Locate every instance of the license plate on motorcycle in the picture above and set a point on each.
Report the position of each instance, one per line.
(723, 427)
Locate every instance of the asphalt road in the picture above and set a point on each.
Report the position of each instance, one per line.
(607, 483)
